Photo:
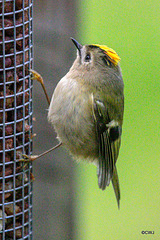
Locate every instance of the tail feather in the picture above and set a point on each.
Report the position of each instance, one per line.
(115, 183)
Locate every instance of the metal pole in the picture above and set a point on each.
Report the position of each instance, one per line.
(16, 57)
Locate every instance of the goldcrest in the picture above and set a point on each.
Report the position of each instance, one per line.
(86, 110)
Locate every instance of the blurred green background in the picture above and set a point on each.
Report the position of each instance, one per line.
(132, 29)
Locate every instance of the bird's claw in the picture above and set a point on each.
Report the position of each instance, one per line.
(27, 158)
(36, 76)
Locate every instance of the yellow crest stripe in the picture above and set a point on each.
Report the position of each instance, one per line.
(114, 58)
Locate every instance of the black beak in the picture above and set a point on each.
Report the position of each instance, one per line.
(78, 45)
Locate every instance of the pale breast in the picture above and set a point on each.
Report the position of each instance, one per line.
(70, 112)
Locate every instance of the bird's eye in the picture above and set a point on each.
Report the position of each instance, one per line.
(87, 57)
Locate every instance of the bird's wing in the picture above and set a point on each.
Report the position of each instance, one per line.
(109, 138)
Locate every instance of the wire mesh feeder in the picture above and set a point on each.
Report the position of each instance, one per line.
(16, 58)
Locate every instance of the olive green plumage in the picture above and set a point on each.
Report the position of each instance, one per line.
(86, 110)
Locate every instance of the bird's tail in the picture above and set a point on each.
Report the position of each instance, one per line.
(115, 183)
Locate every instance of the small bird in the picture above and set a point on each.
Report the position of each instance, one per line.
(87, 108)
